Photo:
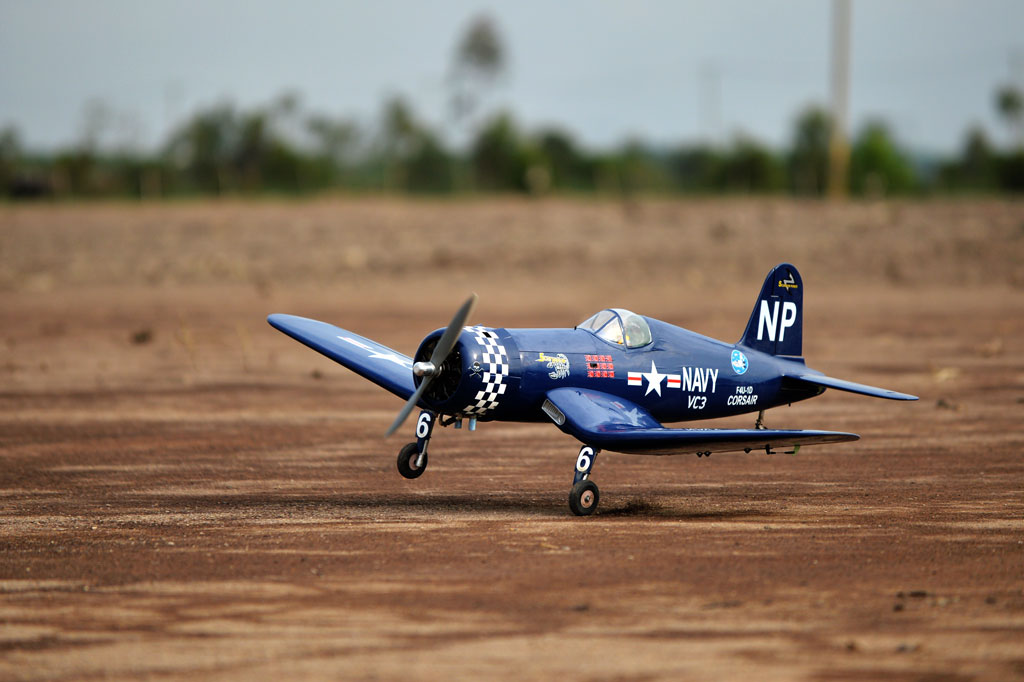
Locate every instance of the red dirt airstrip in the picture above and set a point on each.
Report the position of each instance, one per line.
(188, 494)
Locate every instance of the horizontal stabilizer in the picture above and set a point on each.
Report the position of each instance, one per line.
(383, 366)
(611, 423)
(840, 384)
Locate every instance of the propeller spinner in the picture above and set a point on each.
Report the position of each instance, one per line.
(431, 369)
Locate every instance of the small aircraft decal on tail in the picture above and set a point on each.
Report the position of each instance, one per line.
(739, 362)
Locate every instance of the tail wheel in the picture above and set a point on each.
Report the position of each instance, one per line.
(583, 498)
(407, 458)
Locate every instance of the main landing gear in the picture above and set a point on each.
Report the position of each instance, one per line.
(411, 462)
(584, 495)
(412, 458)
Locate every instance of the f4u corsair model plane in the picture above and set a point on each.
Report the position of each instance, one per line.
(610, 382)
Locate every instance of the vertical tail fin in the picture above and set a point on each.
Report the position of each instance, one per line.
(776, 325)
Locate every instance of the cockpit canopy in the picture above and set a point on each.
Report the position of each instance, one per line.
(619, 326)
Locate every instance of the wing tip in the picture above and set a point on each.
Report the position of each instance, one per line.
(285, 323)
(276, 318)
(892, 395)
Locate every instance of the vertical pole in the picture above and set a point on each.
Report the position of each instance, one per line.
(1017, 76)
(839, 147)
(710, 98)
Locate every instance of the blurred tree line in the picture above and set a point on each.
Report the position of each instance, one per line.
(281, 148)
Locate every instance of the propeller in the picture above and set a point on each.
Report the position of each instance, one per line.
(430, 369)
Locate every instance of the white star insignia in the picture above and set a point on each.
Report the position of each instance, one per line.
(654, 379)
(391, 357)
(355, 343)
(377, 355)
(633, 416)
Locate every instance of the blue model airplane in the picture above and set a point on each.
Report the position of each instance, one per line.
(611, 381)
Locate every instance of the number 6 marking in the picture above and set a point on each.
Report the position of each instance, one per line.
(423, 425)
(585, 459)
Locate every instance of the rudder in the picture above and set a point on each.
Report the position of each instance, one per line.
(776, 325)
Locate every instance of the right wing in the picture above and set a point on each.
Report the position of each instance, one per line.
(611, 423)
(383, 366)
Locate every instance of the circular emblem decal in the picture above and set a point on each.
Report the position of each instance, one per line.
(739, 362)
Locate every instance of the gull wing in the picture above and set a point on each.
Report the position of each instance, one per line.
(383, 366)
(612, 423)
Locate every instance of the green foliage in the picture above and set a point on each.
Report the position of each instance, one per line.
(1010, 169)
(499, 157)
(10, 155)
(750, 167)
(480, 52)
(1010, 106)
(220, 150)
(478, 62)
(1010, 103)
(696, 169)
(279, 148)
(639, 169)
(429, 166)
(877, 167)
(411, 155)
(567, 166)
(807, 163)
(976, 168)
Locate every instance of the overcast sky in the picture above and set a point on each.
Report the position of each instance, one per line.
(660, 70)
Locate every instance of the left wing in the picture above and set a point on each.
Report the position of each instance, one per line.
(383, 366)
(612, 423)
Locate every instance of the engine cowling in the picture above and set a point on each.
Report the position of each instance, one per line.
(474, 378)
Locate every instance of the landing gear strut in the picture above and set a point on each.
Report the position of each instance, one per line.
(584, 495)
(412, 458)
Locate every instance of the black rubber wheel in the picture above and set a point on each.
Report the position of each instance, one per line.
(583, 498)
(407, 457)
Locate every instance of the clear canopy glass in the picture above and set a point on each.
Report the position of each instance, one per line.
(619, 326)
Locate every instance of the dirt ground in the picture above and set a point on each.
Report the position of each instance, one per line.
(188, 494)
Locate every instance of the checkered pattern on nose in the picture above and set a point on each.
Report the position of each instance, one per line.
(494, 360)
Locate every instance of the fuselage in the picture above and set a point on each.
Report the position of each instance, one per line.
(678, 376)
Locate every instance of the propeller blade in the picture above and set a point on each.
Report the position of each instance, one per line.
(408, 407)
(451, 334)
(441, 350)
